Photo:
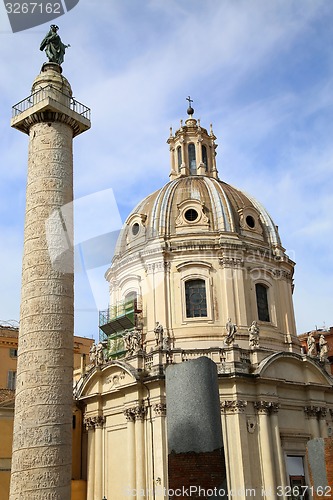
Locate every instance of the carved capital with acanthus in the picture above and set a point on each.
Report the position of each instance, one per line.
(92, 423)
(266, 407)
(160, 409)
(231, 262)
(99, 421)
(234, 406)
(140, 412)
(313, 411)
(134, 413)
(129, 414)
(89, 423)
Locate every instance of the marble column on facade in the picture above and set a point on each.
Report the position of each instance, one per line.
(277, 447)
(90, 426)
(237, 456)
(312, 416)
(160, 446)
(267, 462)
(99, 427)
(131, 457)
(140, 413)
(42, 436)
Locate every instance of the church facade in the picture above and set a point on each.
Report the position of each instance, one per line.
(199, 271)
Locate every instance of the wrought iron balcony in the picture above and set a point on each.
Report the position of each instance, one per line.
(51, 92)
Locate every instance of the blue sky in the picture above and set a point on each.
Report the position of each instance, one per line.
(261, 71)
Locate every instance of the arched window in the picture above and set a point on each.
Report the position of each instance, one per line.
(179, 157)
(204, 156)
(192, 159)
(262, 302)
(196, 302)
(131, 297)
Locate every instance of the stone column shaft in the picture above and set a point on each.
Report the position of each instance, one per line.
(91, 465)
(160, 446)
(277, 451)
(43, 410)
(140, 449)
(267, 461)
(98, 491)
(237, 456)
(42, 440)
(130, 417)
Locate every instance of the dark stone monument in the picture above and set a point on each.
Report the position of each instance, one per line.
(194, 426)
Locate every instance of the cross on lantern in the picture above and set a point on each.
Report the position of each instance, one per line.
(189, 101)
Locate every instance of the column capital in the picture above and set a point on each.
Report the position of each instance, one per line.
(89, 423)
(266, 407)
(99, 421)
(134, 413)
(140, 412)
(234, 406)
(92, 423)
(312, 411)
(322, 413)
(160, 409)
(129, 414)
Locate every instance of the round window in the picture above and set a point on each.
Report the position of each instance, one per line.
(135, 229)
(250, 221)
(191, 215)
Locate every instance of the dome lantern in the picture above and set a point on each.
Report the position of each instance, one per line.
(192, 149)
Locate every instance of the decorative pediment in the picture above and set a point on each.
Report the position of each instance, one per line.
(113, 376)
(294, 368)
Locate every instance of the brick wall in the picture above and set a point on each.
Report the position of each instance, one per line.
(321, 491)
(206, 470)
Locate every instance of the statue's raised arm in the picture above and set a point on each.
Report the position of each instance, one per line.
(54, 48)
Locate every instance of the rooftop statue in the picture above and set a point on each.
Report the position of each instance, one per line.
(54, 48)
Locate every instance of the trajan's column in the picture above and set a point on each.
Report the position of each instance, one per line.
(41, 459)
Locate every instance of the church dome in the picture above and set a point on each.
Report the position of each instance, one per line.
(203, 204)
(199, 251)
(196, 202)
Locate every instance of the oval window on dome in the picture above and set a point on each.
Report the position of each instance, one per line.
(135, 228)
(191, 215)
(250, 221)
